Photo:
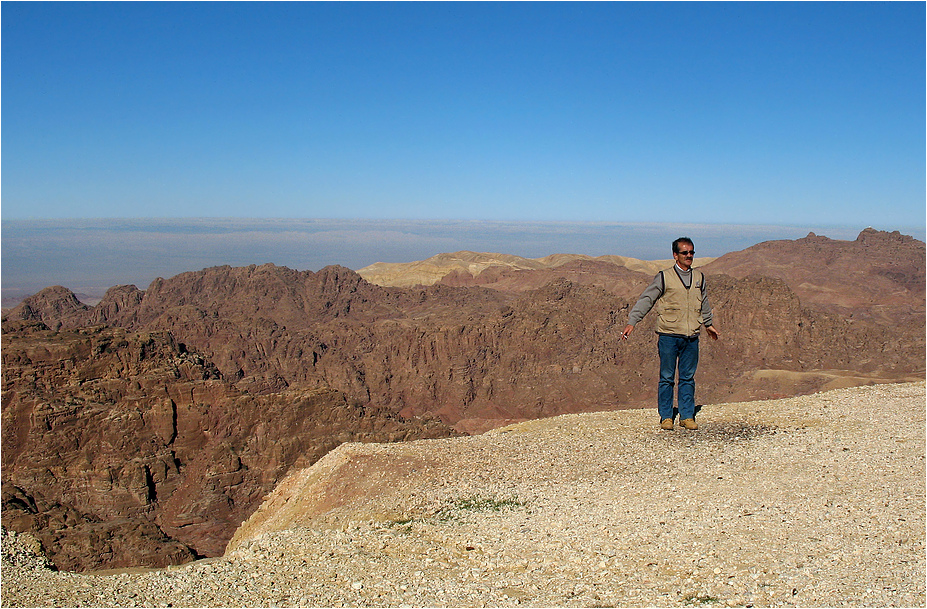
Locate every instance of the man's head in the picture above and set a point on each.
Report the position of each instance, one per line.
(684, 252)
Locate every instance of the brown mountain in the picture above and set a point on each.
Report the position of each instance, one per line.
(880, 276)
(475, 351)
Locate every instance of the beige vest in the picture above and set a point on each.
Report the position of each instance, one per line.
(680, 309)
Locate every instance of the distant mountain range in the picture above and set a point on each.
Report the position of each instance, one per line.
(144, 429)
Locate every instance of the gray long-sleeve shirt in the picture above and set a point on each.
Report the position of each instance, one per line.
(655, 290)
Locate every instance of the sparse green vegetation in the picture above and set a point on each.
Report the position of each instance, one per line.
(701, 600)
(403, 525)
(477, 504)
(455, 509)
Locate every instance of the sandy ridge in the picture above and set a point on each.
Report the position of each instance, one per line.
(808, 501)
(435, 268)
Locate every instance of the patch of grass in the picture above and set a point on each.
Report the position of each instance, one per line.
(478, 504)
(455, 509)
(404, 524)
(701, 600)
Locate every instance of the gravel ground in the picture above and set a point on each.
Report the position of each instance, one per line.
(810, 501)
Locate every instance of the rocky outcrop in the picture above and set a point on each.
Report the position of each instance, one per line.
(123, 448)
(54, 306)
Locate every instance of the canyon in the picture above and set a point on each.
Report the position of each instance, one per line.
(143, 430)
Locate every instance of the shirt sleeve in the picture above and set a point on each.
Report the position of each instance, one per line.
(707, 315)
(650, 296)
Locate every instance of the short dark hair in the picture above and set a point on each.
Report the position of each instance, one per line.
(681, 240)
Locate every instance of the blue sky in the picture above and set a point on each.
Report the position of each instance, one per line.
(742, 113)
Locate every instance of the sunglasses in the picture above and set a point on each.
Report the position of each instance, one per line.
(687, 253)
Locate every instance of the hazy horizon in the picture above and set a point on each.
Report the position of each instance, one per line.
(88, 256)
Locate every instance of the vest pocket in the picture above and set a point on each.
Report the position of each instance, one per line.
(671, 314)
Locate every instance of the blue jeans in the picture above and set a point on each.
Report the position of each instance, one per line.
(683, 350)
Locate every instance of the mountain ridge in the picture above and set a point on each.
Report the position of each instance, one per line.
(504, 346)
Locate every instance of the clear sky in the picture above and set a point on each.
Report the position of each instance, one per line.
(745, 113)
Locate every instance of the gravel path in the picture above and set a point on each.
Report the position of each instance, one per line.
(810, 501)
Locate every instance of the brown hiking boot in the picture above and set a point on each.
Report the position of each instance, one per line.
(688, 424)
(666, 424)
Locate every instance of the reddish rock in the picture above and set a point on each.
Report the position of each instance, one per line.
(125, 448)
(179, 406)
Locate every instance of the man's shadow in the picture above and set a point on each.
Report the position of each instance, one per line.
(698, 408)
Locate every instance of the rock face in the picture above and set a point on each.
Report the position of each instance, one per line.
(186, 402)
(124, 448)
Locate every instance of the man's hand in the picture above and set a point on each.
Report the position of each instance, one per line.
(712, 332)
(627, 332)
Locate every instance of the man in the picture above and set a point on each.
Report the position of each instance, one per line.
(683, 308)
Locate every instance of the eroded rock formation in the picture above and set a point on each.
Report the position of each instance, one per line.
(148, 426)
(126, 448)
